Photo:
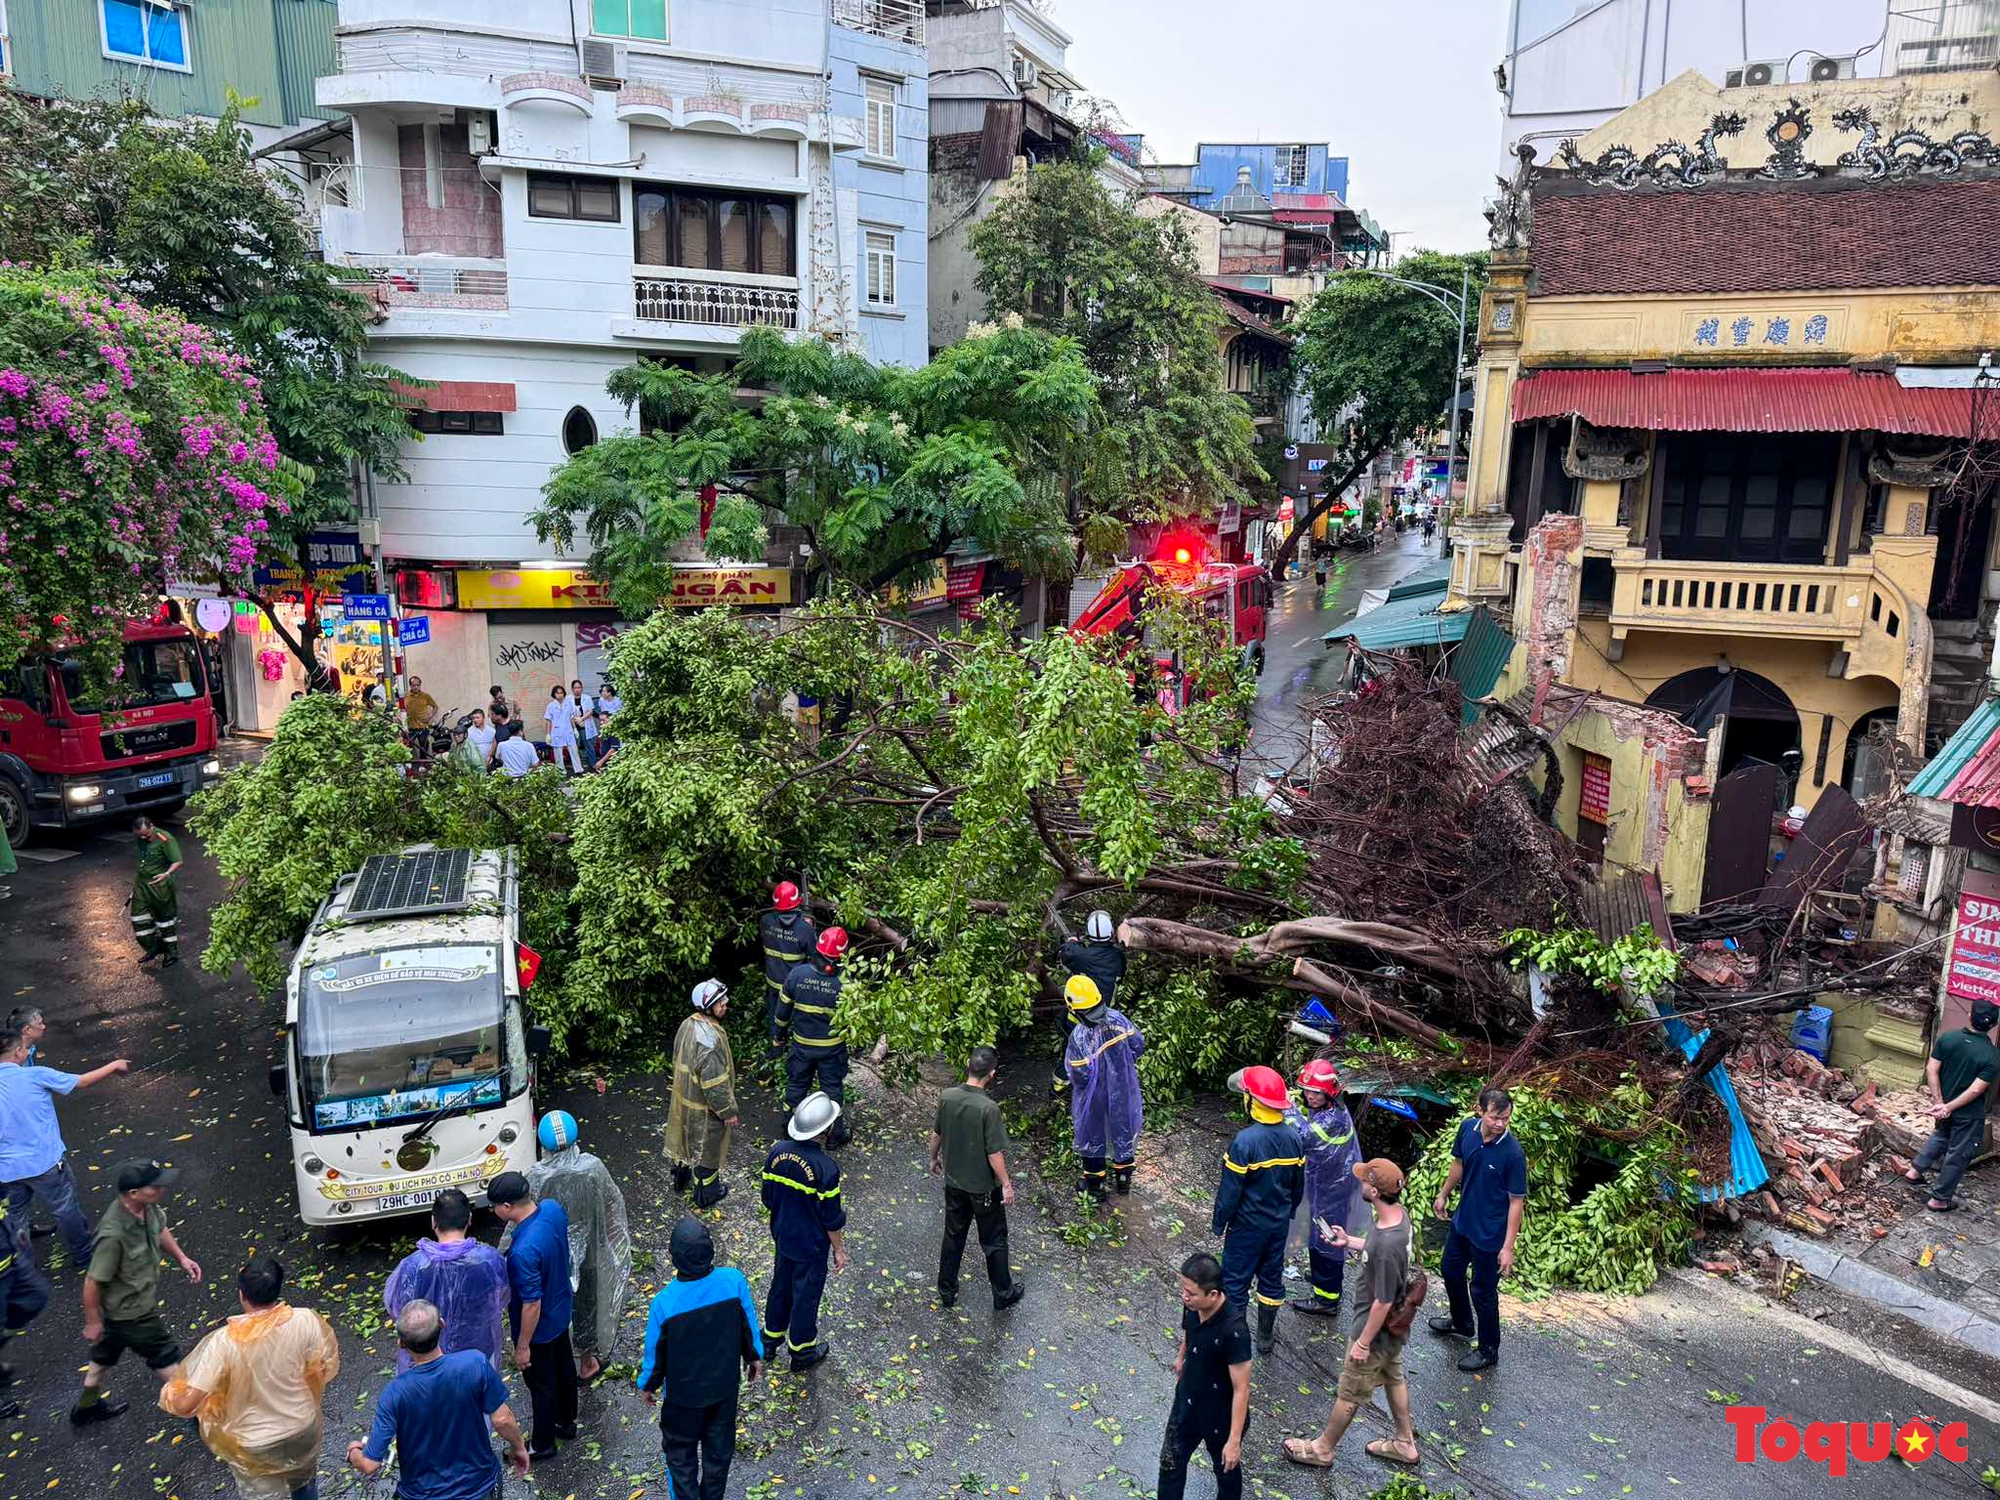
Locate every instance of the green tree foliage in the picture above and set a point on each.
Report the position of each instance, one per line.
(962, 792)
(1376, 359)
(1069, 254)
(1616, 1236)
(129, 440)
(882, 468)
(333, 789)
(190, 221)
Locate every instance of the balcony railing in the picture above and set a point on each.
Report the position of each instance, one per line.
(1941, 36)
(893, 20)
(455, 283)
(715, 304)
(1807, 600)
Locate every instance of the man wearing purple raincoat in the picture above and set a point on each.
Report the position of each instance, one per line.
(1102, 1060)
(1332, 1148)
(465, 1280)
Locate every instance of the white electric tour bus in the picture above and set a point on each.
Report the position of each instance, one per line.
(408, 1064)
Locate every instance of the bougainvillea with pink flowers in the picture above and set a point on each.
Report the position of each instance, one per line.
(133, 447)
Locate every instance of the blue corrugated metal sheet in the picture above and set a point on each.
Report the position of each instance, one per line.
(1958, 751)
(1479, 660)
(1426, 580)
(1403, 623)
(1747, 1171)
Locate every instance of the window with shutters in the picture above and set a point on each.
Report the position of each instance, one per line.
(881, 110)
(881, 268)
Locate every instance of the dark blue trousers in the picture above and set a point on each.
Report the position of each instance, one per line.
(1461, 1255)
(1249, 1254)
(810, 1067)
(791, 1311)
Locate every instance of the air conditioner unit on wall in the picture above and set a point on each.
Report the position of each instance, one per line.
(1831, 69)
(1025, 71)
(603, 63)
(479, 131)
(1755, 74)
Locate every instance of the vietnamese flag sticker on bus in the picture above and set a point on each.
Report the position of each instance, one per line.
(527, 962)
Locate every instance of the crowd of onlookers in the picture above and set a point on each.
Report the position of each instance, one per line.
(575, 730)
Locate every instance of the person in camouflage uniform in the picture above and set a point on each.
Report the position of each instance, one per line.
(703, 1108)
(156, 901)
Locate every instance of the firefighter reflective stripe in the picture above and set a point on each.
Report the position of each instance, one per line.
(1084, 1062)
(810, 1192)
(1270, 1301)
(1257, 1166)
(1323, 1134)
(798, 957)
(811, 1010)
(817, 1041)
(1320, 1291)
(709, 1083)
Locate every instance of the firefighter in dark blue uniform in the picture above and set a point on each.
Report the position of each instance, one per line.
(806, 1007)
(802, 1192)
(1100, 960)
(1263, 1183)
(787, 935)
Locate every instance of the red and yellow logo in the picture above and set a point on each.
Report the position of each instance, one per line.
(1835, 1444)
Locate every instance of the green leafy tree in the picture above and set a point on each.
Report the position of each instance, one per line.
(334, 788)
(1376, 359)
(129, 439)
(882, 468)
(1067, 253)
(190, 221)
(964, 794)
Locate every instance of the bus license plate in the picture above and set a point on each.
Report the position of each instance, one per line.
(158, 778)
(390, 1202)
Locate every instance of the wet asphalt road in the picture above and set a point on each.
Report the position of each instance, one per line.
(1298, 664)
(1064, 1395)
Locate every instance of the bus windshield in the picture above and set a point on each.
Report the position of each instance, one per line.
(407, 1032)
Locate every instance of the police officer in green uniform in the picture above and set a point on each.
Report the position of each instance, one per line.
(806, 1009)
(121, 1288)
(156, 902)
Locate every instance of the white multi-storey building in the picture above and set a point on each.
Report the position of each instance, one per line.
(546, 191)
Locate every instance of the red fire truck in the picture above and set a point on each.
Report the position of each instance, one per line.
(62, 765)
(1237, 596)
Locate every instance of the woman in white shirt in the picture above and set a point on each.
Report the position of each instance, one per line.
(480, 738)
(583, 708)
(562, 729)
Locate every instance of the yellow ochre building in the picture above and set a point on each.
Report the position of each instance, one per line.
(1729, 370)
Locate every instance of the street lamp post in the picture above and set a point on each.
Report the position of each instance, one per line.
(1459, 303)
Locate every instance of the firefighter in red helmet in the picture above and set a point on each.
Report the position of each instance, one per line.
(788, 937)
(806, 1007)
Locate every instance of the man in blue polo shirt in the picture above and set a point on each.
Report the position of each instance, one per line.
(33, 1160)
(538, 1268)
(437, 1414)
(1490, 1167)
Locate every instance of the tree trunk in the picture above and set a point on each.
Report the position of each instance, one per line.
(1287, 549)
(304, 645)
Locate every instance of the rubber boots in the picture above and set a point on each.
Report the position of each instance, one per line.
(1267, 1327)
(1121, 1179)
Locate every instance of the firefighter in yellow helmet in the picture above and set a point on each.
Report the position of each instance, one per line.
(1102, 1062)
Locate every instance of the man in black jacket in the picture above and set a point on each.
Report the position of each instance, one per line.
(700, 1331)
(1102, 961)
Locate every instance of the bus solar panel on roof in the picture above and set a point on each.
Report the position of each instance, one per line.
(408, 885)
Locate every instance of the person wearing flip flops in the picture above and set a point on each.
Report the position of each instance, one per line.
(1960, 1075)
(1375, 1359)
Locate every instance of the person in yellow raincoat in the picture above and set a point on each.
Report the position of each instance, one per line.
(703, 1108)
(256, 1383)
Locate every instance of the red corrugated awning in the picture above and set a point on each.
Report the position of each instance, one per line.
(1790, 400)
